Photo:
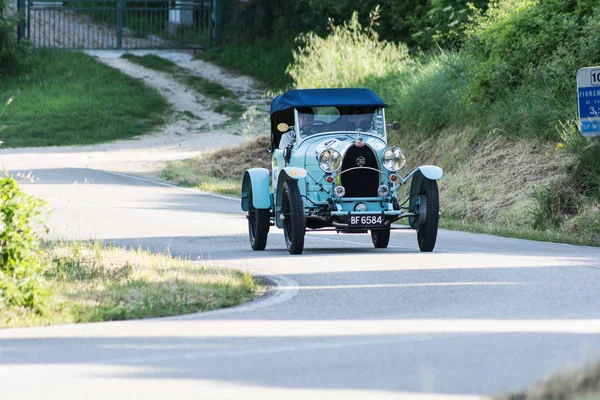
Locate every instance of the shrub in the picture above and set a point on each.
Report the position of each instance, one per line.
(21, 265)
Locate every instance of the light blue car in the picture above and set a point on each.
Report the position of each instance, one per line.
(332, 170)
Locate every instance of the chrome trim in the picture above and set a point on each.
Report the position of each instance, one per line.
(353, 168)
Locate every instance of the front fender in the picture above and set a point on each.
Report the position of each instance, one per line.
(258, 180)
(294, 172)
(425, 171)
(418, 175)
(286, 174)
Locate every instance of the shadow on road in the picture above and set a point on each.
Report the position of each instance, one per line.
(401, 362)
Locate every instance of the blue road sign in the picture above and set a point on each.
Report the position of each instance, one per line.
(588, 100)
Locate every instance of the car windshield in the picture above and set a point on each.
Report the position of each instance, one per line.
(312, 120)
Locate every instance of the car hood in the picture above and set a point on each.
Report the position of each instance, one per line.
(312, 147)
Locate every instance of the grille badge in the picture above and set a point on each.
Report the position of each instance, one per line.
(361, 161)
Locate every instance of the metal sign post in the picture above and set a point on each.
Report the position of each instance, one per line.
(588, 100)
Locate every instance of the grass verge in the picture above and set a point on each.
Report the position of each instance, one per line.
(550, 235)
(69, 98)
(183, 173)
(227, 101)
(579, 384)
(153, 62)
(92, 283)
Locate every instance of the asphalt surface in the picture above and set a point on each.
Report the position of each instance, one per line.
(479, 316)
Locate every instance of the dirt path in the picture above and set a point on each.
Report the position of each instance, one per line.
(193, 128)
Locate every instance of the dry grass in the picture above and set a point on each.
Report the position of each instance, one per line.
(230, 163)
(580, 384)
(92, 282)
(491, 180)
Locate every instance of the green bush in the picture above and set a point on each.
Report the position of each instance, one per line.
(517, 41)
(526, 54)
(21, 266)
(13, 53)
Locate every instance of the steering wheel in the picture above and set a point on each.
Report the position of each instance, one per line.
(307, 128)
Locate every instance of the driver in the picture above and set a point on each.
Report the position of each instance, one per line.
(306, 119)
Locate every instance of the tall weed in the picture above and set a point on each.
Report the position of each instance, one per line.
(346, 57)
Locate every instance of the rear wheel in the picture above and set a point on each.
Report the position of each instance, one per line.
(380, 237)
(258, 224)
(429, 215)
(294, 220)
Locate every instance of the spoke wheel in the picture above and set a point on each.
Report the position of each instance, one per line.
(380, 237)
(429, 215)
(258, 225)
(294, 220)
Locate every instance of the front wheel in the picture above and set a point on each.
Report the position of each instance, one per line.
(380, 237)
(294, 220)
(429, 215)
(258, 224)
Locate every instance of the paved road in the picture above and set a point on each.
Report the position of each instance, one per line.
(479, 316)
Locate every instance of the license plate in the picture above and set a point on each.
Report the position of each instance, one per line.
(366, 220)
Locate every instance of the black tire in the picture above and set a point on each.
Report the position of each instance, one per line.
(380, 237)
(429, 216)
(258, 224)
(294, 223)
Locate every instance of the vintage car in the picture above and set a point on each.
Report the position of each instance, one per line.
(332, 169)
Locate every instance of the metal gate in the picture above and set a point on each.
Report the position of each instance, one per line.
(121, 24)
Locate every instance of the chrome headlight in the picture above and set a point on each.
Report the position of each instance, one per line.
(339, 191)
(330, 160)
(393, 159)
(383, 191)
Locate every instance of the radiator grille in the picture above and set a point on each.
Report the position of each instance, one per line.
(360, 182)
